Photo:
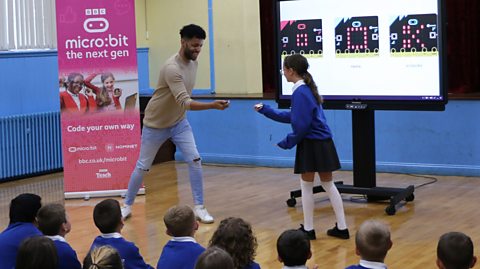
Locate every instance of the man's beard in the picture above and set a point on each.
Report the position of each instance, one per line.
(189, 55)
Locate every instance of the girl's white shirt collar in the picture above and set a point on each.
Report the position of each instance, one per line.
(297, 84)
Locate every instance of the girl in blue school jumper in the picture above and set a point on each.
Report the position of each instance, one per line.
(316, 151)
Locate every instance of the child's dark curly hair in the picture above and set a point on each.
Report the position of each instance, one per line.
(235, 236)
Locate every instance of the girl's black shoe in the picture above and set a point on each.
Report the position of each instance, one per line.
(335, 232)
(309, 234)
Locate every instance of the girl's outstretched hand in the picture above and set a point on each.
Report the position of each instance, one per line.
(117, 92)
(258, 107)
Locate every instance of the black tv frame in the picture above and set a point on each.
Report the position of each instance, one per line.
(373, 102)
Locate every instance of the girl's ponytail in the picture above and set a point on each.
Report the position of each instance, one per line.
(308, 79)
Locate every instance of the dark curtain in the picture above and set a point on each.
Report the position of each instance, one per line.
(463, 45)
(267, 26)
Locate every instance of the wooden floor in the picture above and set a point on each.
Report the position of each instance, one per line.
(258, 195)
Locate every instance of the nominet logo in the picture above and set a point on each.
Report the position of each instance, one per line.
(103, 173)
(87, 148)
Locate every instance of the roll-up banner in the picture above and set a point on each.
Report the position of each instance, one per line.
(98, 88)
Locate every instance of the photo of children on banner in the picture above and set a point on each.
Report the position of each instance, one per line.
(108, 97)
(81, 95)
(73, 100)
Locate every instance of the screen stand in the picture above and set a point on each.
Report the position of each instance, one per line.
(364, 171)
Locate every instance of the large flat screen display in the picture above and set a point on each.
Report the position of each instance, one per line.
(370, 54)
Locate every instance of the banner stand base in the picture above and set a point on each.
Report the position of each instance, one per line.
(86, 195)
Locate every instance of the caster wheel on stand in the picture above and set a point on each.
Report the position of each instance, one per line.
(291, 202)
(390, 210)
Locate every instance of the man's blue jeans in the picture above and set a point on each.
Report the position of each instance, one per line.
(182, 136)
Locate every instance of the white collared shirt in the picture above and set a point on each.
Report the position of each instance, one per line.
(373, 265)
(75, 98)
(56, 238)
(183, 239)
(297, 84)
(111, 235)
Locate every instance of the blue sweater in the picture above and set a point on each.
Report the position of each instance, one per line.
(252, 265)
(179, 255)
(10, 240)
(306, 116)
(67, 257)
(129, 253)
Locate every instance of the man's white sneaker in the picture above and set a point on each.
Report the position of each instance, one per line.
(202, 214)
(126, 212)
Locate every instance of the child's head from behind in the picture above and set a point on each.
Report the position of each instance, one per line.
(455, 251)
(107, 216)
(373, 241)
(214, 258)
(180, 221)
(104, 257)
(52, 220)
(293, 248)
(38, 252)
(24, 207)
(235, 236)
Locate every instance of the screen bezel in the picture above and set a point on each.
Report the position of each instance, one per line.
(375, 102)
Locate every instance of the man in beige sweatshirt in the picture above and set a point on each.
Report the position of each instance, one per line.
(165, 117)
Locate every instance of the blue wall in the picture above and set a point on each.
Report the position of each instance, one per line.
(445, 143)
(29, 81)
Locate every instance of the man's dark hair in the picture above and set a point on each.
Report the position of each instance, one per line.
(107, 215)
(50, 219)
(24, 207)
(293, 248)
(455, 250)
(192, 31)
